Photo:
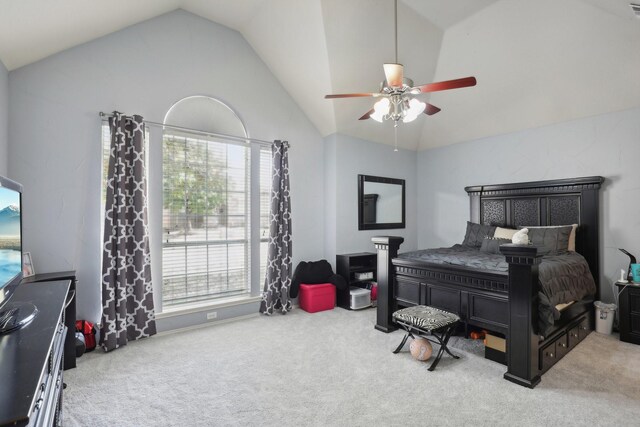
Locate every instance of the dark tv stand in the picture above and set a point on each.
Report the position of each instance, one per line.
(15, 315)
(69, 312)
(31, 359)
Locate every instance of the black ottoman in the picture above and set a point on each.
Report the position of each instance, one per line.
(426, 322)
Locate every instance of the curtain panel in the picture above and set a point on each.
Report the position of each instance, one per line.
(275, 296)
(127, 296)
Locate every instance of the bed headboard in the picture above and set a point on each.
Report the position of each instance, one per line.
(554, 202)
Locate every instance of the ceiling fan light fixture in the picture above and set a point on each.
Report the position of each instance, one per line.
(377, 117)
(415, 108)
(380, 109)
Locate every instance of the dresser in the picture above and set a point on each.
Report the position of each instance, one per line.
(31, 359)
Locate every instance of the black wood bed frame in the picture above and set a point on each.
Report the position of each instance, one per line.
(505, 303)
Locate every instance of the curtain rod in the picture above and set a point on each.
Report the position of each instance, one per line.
(200, 132)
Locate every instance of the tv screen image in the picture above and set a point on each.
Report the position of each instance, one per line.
(10, 239)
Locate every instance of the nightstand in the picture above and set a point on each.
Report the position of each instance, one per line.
(629, 312)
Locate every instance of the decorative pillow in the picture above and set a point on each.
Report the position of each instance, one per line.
(491, 245)
(550, 240)
(476, 233)
(572, 237)
(504, 233)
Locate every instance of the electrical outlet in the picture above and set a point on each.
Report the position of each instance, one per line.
(212, 315)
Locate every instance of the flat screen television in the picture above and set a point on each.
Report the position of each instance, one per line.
(12, 315)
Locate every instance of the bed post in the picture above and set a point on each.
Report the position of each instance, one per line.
(522, 340)
(387, 247)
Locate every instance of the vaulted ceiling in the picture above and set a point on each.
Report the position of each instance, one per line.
(536, 63)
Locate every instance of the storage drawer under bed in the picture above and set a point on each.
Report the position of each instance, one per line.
(555, 350)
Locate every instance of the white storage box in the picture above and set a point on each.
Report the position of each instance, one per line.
(360, 298)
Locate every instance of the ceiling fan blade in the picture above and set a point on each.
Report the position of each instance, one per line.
(350, 95)
(446, 85)
(394, 73)
(431, 109)
(366, 115)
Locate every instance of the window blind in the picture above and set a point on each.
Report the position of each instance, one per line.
(206, 215)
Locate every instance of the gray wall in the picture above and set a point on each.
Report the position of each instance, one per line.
(607, 145)
(353, 156)
(4, 119)
(55, 130)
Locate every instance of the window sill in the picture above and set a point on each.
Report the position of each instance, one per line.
(207, 305)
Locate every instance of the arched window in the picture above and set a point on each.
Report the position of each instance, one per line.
(214, 222)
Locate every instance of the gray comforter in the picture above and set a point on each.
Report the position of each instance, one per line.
(563, 277)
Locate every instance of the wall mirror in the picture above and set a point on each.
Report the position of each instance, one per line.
(381, 203)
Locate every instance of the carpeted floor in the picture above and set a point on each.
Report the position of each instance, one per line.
(333, 368)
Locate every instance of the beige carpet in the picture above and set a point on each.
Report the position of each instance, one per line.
(333, 368)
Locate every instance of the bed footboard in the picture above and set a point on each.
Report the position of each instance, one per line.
(519, 310)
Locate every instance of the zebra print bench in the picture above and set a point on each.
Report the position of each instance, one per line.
(426, 322)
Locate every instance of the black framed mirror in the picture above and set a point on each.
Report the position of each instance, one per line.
(381, 203)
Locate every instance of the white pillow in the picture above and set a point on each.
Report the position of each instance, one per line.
(572, 237)
(504, 233)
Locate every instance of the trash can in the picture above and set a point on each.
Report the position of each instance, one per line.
(604, 317)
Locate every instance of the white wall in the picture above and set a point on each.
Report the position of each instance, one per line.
(55, 130)
(353, 156)
(606, 145)
(4, 119)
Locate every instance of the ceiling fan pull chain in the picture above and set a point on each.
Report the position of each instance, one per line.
(395, 132)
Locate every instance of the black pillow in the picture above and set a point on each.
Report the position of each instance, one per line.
(476, 233)
(550, 240)
(491, 245)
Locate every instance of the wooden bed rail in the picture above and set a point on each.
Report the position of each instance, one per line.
(522, 340)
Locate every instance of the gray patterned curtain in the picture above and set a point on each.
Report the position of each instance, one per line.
(278, 281)
(127, 297)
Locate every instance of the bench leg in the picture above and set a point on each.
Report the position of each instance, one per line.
(404, 340)
(443, 347)
(446, 348)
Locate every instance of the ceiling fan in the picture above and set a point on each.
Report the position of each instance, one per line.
(398, 94)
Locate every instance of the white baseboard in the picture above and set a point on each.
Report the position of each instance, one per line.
(217, 322)
(207, 324)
